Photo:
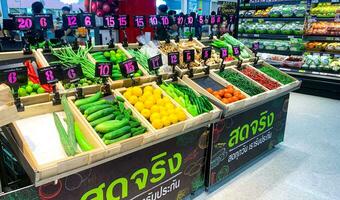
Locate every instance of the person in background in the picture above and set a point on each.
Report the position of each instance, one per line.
(173, 29)
(36, 36)
(69, 34)
(213, 27)
(161, 32)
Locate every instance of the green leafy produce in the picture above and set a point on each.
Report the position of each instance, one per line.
(277, 75)
(64, 138)
(142, 59)
(241, 82)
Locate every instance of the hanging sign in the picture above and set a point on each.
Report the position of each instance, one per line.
(43, 21)
(173, 58)
(188, 56)
(72, 74)
(155, 62)
(49, 75)
(23, 23)
(128, 67)
(87, 20)
(103, 69)
(14, 77)
(139, 21)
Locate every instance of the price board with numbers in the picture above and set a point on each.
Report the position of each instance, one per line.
(223, 53)
(256, 46)
(236, 50)
(43, 21)
(128, 67)
(164, 20)
(201, 19)
(139, 21)
(14, 77)
(180, 19)
(23, 23)
(70, 21)
(87, 20)
(173, 58)
(190, 21)
(188, 55)
(72, 74)
(153, 20)
(212, 19)
(219, 19)
(206, 53)
(123, 21)
(110, 21)
(155, 62)
(103, 69)
(49, 75)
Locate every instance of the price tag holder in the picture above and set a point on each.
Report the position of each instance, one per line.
(128, 67)
(179, 20)
(188, 56)
(236, 50)
(123, 21)
(165, 21)
(256, 46)
(223, 53)
(70, 21)
(201, 19)
(155, 62)
(190, 20)
(43, 21)
(23, 23)
(212, 19)
(153, 21)
(219, 19)
(139, 21)
(87, 20)
(206, 53)
(110, 21)
(14, 77)
(103, 69)
(173, 58)
(49, 75)
(72, 74)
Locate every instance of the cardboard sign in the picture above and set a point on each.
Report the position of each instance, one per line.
(72, 74)
(49, 75)
(155, 62)
(128, 67)
(110, 21)
(173, 58)
(43, 21)
(139, 21)
(70, 21)
(14, 77)
(236, 50)
(23, 23)
(103, 69)
(153, 20)
(87, 20)
(188, 56)
(206, 53)
(123, 21)
(223, 53)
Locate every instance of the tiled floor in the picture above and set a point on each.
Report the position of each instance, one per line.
(306, 166)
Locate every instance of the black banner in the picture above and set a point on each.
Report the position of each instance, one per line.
(237, 140)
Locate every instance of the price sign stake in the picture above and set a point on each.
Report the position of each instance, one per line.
(72, 74)
(139, 21)
(188, 57)
(155, 62)
(123, 21)
(23, 23)
(14, 77)
(179, 20)
(70, 21)
(223, 53)
(128, 67)
(236, 50)
(43, 21)
(189, 21)
(173, 60)
(153, 21)
(165, 20)
(103, 69)
(49, 75)
(206, 54)
(110, 22)
(87, 20)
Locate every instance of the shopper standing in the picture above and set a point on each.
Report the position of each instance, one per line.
(36, 36)
(69, 34)
(162, 33)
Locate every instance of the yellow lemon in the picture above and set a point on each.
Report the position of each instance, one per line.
(157, 124)
(166, 100)
(166, 121)
(155, 116)
(127, 94)
(137, 91)
(148, 88)
(169, 106)
(139, 106)
(163, 112)
(154, 109)
(181, 116)
(157, 92)
(142, 99)
(147, 94)
(148, 104)
(173, 118)
(156, 96)
(159, 101)
(133, 100)
(130, 89)
(146, 113)
(150, 98)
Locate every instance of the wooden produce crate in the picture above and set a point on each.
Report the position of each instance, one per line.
(47, 58)
(227, 108)
(204, 117)
(165, 131)
(16, 59)
(118, 147)
(7, 106)
(23, 147)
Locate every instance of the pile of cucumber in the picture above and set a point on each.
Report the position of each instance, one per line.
(110, 119)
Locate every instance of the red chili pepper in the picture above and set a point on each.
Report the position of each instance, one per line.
(260, 78)
(34, 77)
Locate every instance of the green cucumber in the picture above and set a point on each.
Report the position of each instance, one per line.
(100, 114)
(139, 131)
(124, 137)
(134, 124)
(96, 108)
(84, 145)
(64, 139)
(119, 117)
(86, 106)
(118, 98)
(117, 133)
(111, 125)
(88, 100)
(101, 120)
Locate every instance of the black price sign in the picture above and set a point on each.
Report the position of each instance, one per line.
(190, 21)
(165, 21)
(206, 53)
(173, 58)
(23, 23)
(219, 19)
(49, 75)
(212, 19)
(188, 56)
(103, 69)
(110, 21)
(123, 21)
(72, 74)
(236, 50)
(256, 46)
(201, 19)
(87, 20)
(70, 21)
(139, 21)
(223, 53)
(155, 62)
(43, 21)
(179, 20)
(153, 20)
(14, 77)
(128, 67)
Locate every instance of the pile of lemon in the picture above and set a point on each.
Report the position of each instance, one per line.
(155, 107)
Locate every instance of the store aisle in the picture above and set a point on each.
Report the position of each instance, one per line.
(306, 166)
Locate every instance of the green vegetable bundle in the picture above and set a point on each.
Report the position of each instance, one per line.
(142, 59)
(241, 82)
(276, 74)
(187, 98)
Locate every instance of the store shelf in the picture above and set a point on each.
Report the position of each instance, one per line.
(329, 19)
(321, 38)
(268, 36)
(289, 2)
(324, 53)
(256, 19)
(325, 1)
(308, 73)
(286, 53)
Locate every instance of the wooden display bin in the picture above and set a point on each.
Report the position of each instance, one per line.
(204, 117)
(165, 131)
(39, 172)
(118, 147)
(7, 108)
